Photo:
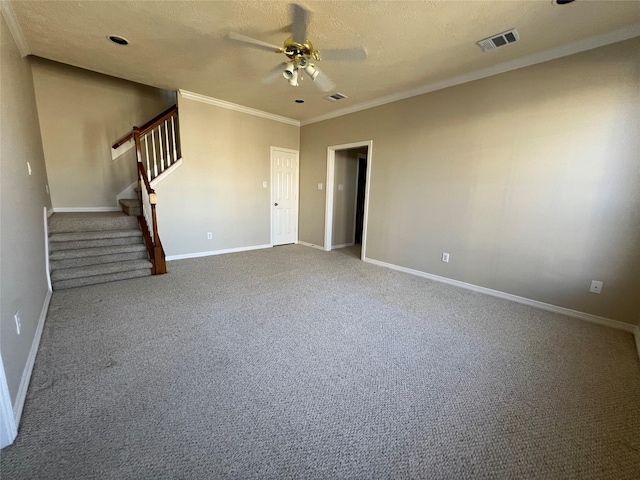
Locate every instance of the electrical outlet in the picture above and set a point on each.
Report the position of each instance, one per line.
(264, 184)
(209, 236)
(16, 317)
(319, 186)
(596, 286)
(445, 257)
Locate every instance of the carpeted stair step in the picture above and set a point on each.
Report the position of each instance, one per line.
(89, 252)
(91, 222)
(131, 206)
(103, 269)
(75, 240)
(93, 280)
(141, 254)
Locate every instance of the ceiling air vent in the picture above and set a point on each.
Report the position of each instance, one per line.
(500, 40)
(335, 97)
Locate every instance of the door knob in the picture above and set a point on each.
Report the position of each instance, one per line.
(275, 204)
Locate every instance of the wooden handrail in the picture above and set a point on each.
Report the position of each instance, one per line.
(154, 246)
(150, 125)
(147, 185)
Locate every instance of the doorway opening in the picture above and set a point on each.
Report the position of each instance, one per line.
(347, 197)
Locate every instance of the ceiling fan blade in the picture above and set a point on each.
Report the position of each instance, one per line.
(301, 17)
(274, 74)
(323, 82)
(254, 43)
(356, 54)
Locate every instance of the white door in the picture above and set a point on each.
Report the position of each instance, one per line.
(284, 196)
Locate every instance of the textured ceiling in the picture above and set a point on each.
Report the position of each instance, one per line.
(184, 44)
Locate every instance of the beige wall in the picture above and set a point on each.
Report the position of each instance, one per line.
(226, 157)
(22, 201)
(529, 179)
(345, 174)
(82, 114)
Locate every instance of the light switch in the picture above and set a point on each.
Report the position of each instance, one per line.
(264, 184)
(340, 187)
(319, 186)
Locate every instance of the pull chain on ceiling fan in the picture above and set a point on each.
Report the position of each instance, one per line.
(301, 53)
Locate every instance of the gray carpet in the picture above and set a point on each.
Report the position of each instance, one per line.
(296, 363)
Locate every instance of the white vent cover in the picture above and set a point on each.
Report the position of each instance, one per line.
(500, 40)
(335, 97)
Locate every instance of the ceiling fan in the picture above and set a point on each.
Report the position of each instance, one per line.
(301, 53)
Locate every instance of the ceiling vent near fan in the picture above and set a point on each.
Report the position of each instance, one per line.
(335, 97)
(500, 40)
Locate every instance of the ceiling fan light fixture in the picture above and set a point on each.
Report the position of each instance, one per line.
(293, 80)
(312, 71)
(290, 71)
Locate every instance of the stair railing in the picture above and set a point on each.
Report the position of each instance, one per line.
(161, 151)
(159, 143)
(148, 221)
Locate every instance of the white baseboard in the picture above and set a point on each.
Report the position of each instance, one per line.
(128, 192)
(342, 245)
(636, 334)
(607, 322)
(307, 244)
(216, 252)
(86, 209)
(49, 212)
(47, 270)
(28, 368)
(168, 171)
(8, 426)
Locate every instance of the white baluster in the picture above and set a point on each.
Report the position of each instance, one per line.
(173, 134)
(161, 146)
(166, 135)
(146, 144)
(155, 159)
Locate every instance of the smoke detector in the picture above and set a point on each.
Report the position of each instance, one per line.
(499, 40)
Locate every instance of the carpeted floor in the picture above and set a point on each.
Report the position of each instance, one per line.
(296, 363)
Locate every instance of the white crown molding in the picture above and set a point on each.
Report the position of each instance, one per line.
(170, 258)
(551, 54)
(31, 359)
(607, 322)
(14, 27)
(238, 108)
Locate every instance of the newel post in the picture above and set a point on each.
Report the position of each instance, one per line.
(158, 253)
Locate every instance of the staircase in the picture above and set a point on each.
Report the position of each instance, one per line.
(91, 248)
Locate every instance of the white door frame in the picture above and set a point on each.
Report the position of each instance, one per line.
(328, 213)
(297, 190)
